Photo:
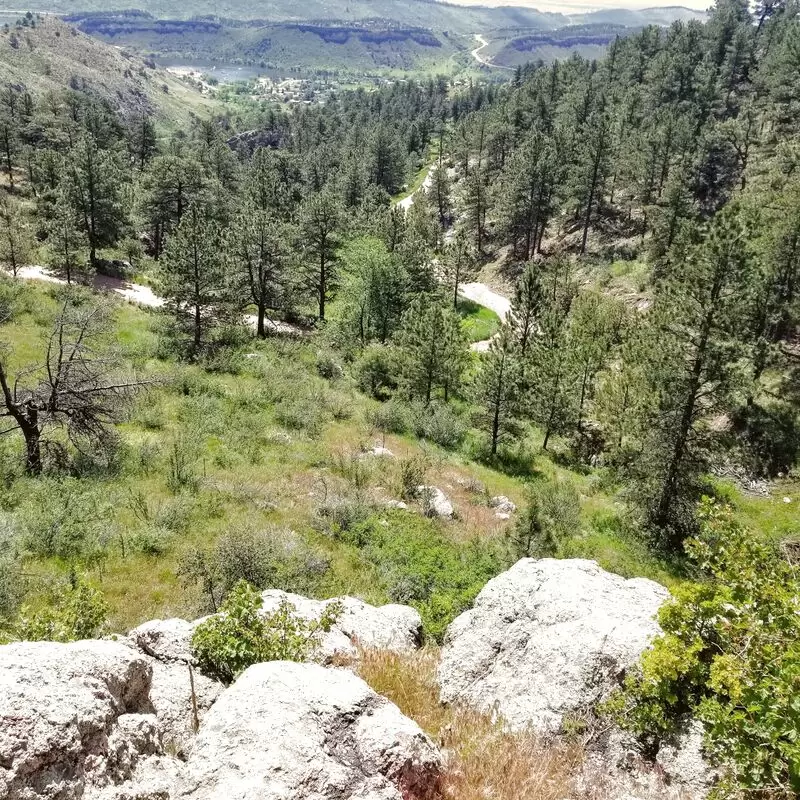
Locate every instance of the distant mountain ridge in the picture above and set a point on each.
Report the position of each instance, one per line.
(428, 14)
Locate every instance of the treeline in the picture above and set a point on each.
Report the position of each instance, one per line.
(262, 224)
(679, 149)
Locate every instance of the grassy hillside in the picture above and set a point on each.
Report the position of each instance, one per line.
(47, 54)
(259, 444)
(258, 450)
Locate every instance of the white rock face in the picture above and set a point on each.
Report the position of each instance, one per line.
(164, 639)
(73, 717)
(169, 643)
(77, 723)
(288, 731)
(546, 639)
(391, 627)
(435, 501)
(682, 761)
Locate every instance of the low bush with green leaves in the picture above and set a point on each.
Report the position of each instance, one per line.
(550, 518)
(76, 611)
(730, 656)
(242, 635)
(422, 567)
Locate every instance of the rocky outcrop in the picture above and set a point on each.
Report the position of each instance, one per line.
(73, 717)
(547, 640)
(391, 627)
(288, 730)
(80, 721)
(180, 699)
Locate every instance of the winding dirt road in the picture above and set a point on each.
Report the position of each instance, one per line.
(486, 62)
(144, 296)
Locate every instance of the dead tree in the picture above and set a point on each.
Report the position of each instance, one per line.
(77, 388)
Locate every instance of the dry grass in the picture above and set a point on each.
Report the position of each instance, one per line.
(484, 761)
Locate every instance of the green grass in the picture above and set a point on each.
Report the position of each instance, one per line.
(271, 445)
(477, 322)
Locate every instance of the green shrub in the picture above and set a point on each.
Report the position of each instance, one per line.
(12, 580)
(421, 566)
(76, 611)
(376, 371)
(412, 476)
(181, 466)
(66, 519)
(305, 414)
(440, 423)
(393, 416)
(328, 367)
(241, 635)
(730, 656)
(265, 558)
(550, 518)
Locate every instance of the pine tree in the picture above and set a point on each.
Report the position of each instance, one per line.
(698, 340)
(476, 203)
(16, 239)
(433, 348)
(457, 264)
(498, 389)
(440, 192)
(550, 367)
(373, 293)
(65, 238)
(96, 188)
(322, 222)
(170, 185)
(594, 324)
(261, 256)
(526, 307)
(193, 274)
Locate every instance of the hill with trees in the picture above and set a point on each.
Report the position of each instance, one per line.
(43, 55)
(306, 265)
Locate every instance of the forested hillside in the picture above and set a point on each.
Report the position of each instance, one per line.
(305, 397)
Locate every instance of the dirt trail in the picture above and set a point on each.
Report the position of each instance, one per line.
(481, 294)
(133, 292)
(407, 202)
(143, 295)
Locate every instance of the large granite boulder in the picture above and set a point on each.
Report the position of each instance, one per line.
(77, 722)
(73, 718)
(286, 731)
(548, 639)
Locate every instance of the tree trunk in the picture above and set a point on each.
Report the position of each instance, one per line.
(669, 485)
(198, 328)
(33, 449)
(260, 330)
(323, 288)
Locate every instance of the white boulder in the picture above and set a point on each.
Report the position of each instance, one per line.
(74, 718)
(435, 502)
(165, 639)
(503, 506)
(391, 627)
(548, 639)
(288, 731)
